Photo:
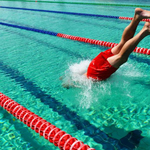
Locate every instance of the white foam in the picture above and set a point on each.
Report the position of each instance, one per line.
(76, 72)
(79, 68)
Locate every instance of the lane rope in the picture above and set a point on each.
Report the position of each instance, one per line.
(102, 43)
(81, 3)
(50, 132)
(76, 38)
(73, 13)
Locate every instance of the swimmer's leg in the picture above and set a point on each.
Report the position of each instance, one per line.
(128, 47)
(131, 28)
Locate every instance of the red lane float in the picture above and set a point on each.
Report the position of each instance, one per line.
(130, 18)
(142, 50)
(50, 132)
(87, 40)
(126, 18)
(101, 43)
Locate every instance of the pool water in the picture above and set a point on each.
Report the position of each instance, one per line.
(32, 64)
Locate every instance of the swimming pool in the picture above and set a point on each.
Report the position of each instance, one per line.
(32, 63)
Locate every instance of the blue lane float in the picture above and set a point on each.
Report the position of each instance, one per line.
(62, 12)
(29, 29)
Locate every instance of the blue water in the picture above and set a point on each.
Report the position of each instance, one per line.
(31, 65)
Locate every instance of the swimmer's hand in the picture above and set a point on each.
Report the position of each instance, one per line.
(61, 78)
(70, 85)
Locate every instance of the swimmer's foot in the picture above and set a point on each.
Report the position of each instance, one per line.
(141, 14)
(146, 28)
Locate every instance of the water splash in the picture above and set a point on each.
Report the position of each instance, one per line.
(116, 90)
(74, 77)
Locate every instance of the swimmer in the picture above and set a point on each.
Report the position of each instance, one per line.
(107, 62)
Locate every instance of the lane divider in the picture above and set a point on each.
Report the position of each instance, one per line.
(130, 18)
(102, 43)
(73, 13)
(81, 3)
(50, 132)
(76, 38)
